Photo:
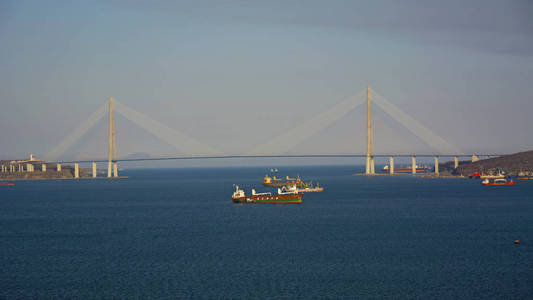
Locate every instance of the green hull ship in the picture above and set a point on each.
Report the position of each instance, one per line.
(282, 197)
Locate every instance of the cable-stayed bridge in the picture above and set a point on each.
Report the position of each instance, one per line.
(278, 147)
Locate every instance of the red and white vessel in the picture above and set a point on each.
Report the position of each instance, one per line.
(498, 181)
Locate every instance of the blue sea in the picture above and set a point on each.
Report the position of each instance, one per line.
(175, 233)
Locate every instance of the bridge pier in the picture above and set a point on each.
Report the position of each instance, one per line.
(109, 167)
(58, 167)
(391, 165)
(94, 170)
(115, 169)
(29, 167)
(76, 170)
(436, 165)
(43, 167)
(413, 165)
(455, 162)
(475, 158)
(370, 166)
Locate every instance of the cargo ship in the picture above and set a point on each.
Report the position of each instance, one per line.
(307, 188)
(7, 183)
(282, 197)
(408, 169)
(278, 182)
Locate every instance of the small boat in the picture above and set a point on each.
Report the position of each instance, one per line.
(475, 175)
(282, 197)
(498, 181)
(7, 183)
(278, 182)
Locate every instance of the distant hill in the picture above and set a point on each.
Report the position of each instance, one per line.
(512, 164)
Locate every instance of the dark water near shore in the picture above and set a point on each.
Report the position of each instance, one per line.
(176, 233)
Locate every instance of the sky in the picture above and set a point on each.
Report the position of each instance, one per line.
(235, 74)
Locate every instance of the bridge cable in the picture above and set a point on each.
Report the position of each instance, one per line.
(415, 127)
(284, 142)
(178, 140)
(80, 131)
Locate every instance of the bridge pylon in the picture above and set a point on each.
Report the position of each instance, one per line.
(112, 168)
(369, 136)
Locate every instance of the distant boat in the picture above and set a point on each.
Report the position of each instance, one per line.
(408, 169)
(486, 176)
(278, 182)
(307, 188)
(7, 183)
(477, 175)
(498, 181)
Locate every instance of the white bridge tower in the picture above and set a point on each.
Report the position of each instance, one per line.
(369, 136)
(112, 167)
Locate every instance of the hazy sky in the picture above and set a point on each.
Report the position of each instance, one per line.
(234, 74)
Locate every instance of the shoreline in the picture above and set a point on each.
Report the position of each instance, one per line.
(415, 175)
(53, 179)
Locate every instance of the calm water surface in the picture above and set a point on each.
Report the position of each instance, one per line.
(176, 233)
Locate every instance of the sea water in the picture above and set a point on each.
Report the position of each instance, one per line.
(175, 233)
